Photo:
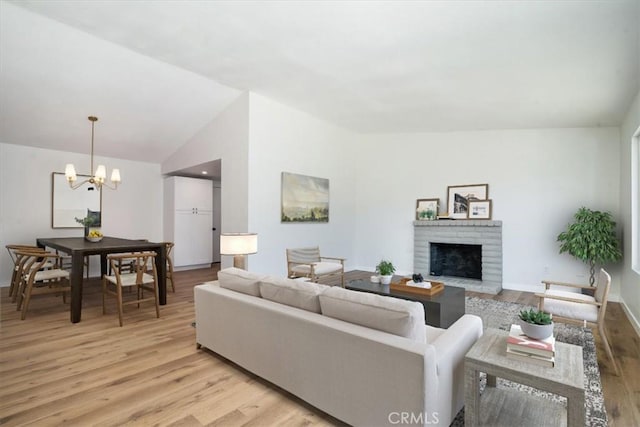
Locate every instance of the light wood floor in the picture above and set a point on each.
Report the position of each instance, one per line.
(149, 372)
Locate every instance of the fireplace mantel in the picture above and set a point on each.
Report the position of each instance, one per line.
(458, 223)
(487, 233)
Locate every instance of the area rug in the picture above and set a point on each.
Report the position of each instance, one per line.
(500, 315)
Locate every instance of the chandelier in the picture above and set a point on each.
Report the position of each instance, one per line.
(99, 177)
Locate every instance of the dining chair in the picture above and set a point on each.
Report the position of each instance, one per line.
(65, 262)
(577, 308)
(15, 252)
(143, 276)
(36, 281)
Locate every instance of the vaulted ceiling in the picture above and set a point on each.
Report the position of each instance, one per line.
(155, 72)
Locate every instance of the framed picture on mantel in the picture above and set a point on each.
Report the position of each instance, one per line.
(479, 209)
(459, 196)
(427, 209)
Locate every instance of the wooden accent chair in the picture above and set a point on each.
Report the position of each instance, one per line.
(35, 280)
(307, 262)
(140, 277)
(580, 309)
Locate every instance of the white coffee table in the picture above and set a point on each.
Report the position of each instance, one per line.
(512, 407)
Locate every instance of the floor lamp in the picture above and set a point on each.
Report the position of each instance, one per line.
(239, 245)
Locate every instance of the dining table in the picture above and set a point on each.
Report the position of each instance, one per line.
(79, 247)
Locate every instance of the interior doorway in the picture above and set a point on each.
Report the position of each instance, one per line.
(212, 171)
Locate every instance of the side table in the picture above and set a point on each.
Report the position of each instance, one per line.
(512, 407)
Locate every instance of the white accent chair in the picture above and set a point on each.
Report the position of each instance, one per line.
(571, 307)
(307, 262)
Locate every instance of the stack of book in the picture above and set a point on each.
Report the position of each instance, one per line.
(521, 347)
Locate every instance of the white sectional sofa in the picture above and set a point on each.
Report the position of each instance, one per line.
(365, 359)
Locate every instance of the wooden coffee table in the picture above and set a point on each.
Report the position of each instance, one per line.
(512, 407)
(440, 310)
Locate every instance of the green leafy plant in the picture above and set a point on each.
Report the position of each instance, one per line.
(87, 221)
(591, 238)
(535, 317)
(385, 268)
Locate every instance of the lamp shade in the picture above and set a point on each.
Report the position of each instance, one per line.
(101, 173)
(115, 176)
(238, 243)
(70, 172)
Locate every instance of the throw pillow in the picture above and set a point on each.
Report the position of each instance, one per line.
(295, 293)
(388, 314)
(240, 280)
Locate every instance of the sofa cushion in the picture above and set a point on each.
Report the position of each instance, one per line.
(295, 293)
(240, 280)
(388, 314)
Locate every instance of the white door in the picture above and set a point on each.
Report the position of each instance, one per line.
(192, 238)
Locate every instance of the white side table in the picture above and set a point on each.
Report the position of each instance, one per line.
(512, 407)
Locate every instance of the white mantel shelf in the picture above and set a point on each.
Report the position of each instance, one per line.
(458, 223)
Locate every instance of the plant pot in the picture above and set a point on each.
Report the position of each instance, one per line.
(537, 332)
(385, 280)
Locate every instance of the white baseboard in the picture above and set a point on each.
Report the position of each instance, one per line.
(632, 319)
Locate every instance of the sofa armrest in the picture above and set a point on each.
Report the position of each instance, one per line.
(451, 346)
(454, 343)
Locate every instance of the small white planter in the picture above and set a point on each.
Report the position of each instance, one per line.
(537, 332)
(385, 280)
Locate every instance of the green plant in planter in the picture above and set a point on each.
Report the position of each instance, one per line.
(87, 221)
(385, 268)
(591, 238)
(535, 317)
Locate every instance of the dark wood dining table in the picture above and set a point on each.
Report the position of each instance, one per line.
(79, 247)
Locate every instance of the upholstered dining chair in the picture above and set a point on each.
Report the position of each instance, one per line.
(307, 262)
(572, 307)
(35, 280)
(139, 277)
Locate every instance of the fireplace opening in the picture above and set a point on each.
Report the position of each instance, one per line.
(457, 260)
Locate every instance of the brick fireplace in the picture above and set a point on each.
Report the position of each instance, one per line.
(456, 234)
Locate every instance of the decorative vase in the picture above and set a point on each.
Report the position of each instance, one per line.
(537, 332)
(385, 280)
(86, 231)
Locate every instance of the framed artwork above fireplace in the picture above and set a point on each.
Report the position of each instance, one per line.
(480, 209)
(459, 196)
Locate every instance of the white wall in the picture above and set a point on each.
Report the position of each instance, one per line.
(630, 288)
(537, 180)
(286, 140)
(225, 137)
(133, 211)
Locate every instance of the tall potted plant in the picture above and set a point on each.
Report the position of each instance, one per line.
(591, 238)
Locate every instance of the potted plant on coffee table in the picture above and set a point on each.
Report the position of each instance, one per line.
(385, 270)
(536, 324)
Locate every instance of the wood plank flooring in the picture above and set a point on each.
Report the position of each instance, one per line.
(149, 372)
